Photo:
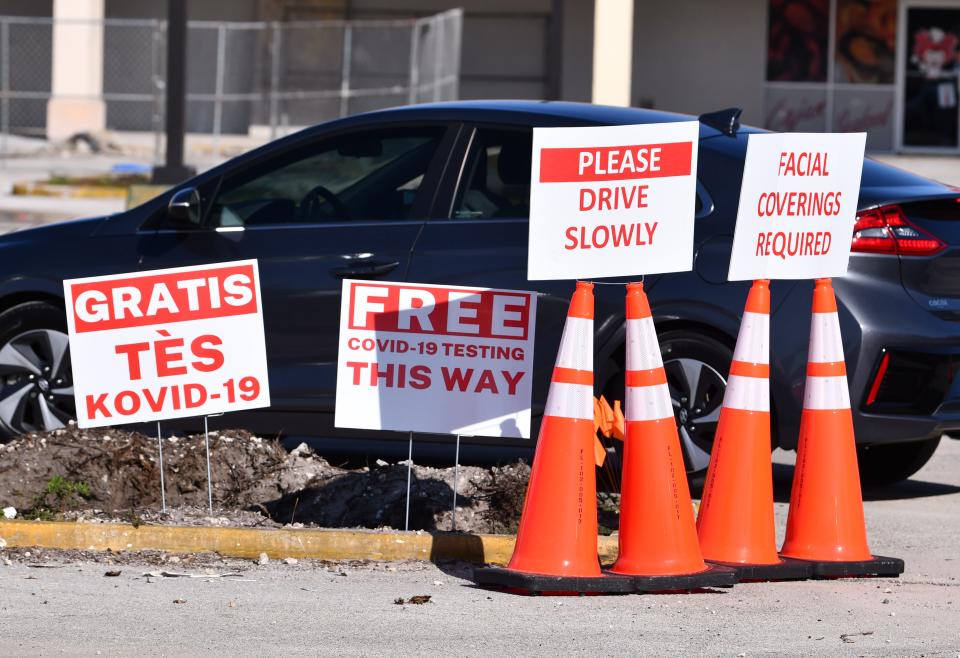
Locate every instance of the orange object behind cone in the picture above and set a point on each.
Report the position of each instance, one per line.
(736, 523)
(658, 536)
(558, 528)
(825, 522)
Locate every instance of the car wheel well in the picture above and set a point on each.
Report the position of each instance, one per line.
(17, 298)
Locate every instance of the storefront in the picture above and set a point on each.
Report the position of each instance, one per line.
(885, 67)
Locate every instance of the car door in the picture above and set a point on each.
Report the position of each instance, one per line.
(479, 235)
(348, 205)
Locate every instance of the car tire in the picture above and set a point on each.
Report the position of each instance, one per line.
(696, 366)
(36, 382)
(883, 464)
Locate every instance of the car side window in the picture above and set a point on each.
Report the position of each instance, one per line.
(496, 180)
(369, 175)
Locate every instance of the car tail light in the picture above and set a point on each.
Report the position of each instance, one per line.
(887, 230)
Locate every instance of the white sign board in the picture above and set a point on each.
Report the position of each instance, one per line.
(442, 359)
(798, 205)
(171, 343)
(612, 200)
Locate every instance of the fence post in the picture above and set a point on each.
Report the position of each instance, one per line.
(159, 92)
(218, 98)
(345, 69)
(4, 89)
(414, 63)
(439, 59)
(275, 48)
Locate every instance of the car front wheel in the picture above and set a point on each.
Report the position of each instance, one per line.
(36, 385)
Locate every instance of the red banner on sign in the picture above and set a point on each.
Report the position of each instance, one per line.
(175, 297)
(608, 163)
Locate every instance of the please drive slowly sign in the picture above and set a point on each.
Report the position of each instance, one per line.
(612, 200)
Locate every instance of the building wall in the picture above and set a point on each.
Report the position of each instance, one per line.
(693, 56)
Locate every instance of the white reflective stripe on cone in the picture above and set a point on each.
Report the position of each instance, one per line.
(648, 403)
(747, 393)
(576, 346)
(570, 401)
(826, 393)
(643, 349)
(753, 342)
(825, 343)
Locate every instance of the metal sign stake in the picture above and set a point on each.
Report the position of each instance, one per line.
(163, 489)
(406, 524)
(456, 477)
(206, 441)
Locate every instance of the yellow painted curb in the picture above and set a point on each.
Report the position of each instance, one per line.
(275, 542)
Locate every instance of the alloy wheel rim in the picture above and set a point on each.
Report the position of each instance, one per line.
(696, 391)
(36, 385)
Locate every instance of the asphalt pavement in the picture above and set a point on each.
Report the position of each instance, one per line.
(52, 605)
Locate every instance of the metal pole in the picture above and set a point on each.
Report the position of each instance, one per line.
(163, 488)
(414, 63)
(345, 70)
(275, 46)
(4, 89)
(218, 91)
(456, 478)
(406, 523)
(206, 441)
(174, 171)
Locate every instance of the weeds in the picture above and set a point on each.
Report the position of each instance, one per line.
(59, 494)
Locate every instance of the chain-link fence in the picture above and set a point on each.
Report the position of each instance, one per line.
(247, 83)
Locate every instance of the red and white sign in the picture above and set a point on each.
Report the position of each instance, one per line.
(612, 200)
(798, 205)
(167, 343)
(441, 359)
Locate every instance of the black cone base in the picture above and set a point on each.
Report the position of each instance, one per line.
(535, 583)
(879, 567)
(714, 576)
(786, 569)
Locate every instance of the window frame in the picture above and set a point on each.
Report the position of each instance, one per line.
(214, 179)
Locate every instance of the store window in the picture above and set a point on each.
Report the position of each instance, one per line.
(930, 114)
(844, 82)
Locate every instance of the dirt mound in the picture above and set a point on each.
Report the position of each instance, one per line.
(111, 474)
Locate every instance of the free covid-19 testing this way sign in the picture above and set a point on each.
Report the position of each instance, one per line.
(798, 205)
(430, 358)
(612, 200)
(167, 343)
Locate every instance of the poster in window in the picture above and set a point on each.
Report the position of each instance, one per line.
(866, 41)
(797, 40)
(930, 94)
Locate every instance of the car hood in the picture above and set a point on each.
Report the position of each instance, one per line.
(73, 228)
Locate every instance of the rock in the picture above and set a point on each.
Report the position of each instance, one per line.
(290, 560)
(3, 543)
(302, 450)
(264, 559)
(9, 512)
(173, 559)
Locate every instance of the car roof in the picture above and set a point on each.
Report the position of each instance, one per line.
(587, 112)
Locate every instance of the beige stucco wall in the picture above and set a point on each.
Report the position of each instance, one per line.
(694, 56)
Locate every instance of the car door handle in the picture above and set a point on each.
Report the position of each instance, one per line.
(364, 270)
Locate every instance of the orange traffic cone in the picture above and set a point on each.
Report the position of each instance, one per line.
(825, 525)
(556, 548)
(658, 537)
(736, 525)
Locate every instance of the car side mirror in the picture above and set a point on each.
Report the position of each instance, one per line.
(184, 208)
